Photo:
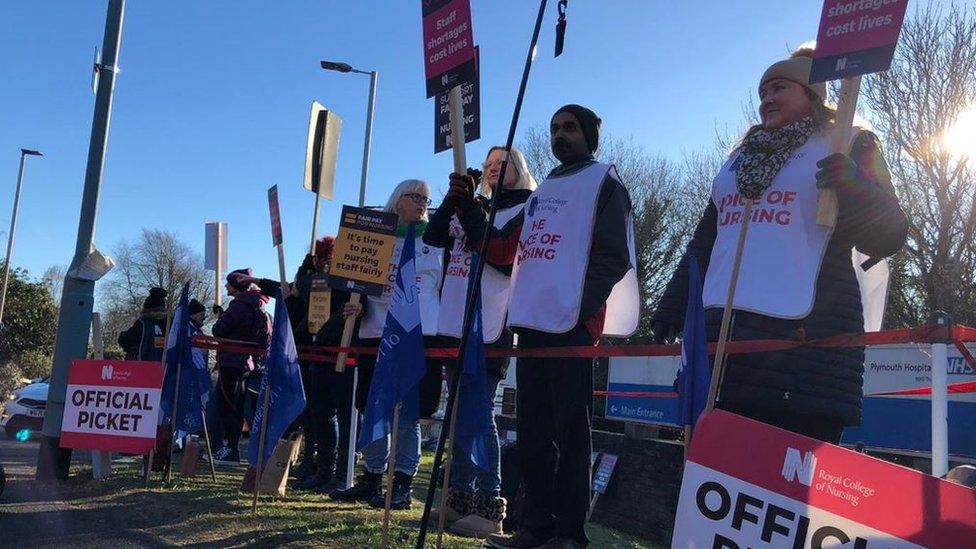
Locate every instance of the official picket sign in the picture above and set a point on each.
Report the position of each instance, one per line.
(112, 405)
(319, 302)
(449, 57)
(856, 37)
(748, 484)
(275, 215)
(470, 102)
(363, 250)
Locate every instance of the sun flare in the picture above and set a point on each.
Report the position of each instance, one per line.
(960, 138)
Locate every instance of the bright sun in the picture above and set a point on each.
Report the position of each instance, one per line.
(960, 138)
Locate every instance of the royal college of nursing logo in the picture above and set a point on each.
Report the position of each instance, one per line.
(532, 205)
(107, 372)
(797, 468)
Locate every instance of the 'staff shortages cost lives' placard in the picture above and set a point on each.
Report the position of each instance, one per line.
(856, 37)
(449, 57)
(363, 251)
(112, 405)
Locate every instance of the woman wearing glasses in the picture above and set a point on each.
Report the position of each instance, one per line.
(409, 201)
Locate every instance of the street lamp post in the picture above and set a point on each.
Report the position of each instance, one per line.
(24, 153)
(345, 67)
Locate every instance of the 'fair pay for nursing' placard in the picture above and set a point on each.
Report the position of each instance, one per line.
(363, 250)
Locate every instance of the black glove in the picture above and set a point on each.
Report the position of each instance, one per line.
(663, 332)
(475, 174)
(838, 172)
(217, 309)
(308, 266)
(461, 192)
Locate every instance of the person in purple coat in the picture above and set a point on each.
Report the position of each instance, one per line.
(244, 320)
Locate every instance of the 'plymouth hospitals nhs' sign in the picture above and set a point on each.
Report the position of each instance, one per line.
(890, 421)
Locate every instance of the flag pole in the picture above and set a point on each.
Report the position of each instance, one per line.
(260, 465)
(447, 476)
(718, 366)
(469, 305)
(389, 476)
(176, 398)
(152, 453)
(206, 435)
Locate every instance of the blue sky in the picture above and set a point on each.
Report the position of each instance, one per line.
(212, 102)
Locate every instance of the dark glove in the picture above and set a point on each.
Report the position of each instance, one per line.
(461, 192)
(838, 172)
(308, 266)
(217, 310)
(663, 332)
(475, 174)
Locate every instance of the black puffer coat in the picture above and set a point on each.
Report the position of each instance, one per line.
(820, 382)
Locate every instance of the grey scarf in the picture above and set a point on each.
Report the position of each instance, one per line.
(764, 152)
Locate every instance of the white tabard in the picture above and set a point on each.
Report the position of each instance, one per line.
(495, 286)
(430, 269)
(784, 246)
(554, 253)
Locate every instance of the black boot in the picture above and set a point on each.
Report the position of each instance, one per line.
(402, 493)
(367, 486)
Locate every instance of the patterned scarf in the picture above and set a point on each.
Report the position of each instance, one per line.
(764, 152)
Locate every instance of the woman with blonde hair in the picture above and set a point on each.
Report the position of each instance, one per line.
(409, 200)
(475, 507)
(797, 279)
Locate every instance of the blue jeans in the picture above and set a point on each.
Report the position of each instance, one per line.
(377, 453)
(468, 477)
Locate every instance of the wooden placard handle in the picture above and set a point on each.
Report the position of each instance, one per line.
(839, 141)
(457, 130)
(346, 335)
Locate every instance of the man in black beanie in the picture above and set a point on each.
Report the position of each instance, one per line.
(144, 339)
(573, 247)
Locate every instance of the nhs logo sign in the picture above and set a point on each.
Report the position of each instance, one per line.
(797, 468)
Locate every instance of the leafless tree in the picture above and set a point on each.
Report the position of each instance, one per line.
(53, 278)
(157, 259)
(932, 81)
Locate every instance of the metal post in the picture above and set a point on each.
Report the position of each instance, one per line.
(74, 319)
(13, 227)
(354, 414)
(940, 396)
(369, 137)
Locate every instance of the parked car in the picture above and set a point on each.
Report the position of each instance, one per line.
(25, 408)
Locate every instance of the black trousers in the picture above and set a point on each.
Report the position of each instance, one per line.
(554, 403)
(230, 404)
(821, 428)
(329, 406)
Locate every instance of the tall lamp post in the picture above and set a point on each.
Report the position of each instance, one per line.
(24, 153)
(346, 67)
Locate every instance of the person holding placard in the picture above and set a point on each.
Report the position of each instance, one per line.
(797, 279)
(475, 507)
(574, 282)
(409, 201)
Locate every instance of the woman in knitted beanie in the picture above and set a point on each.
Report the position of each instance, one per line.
(797, 279)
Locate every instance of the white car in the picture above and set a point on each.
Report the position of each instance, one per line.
(25, 408)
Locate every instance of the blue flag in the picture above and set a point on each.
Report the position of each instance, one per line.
(282, 379)
(400, 363)
(476, 404)
(194, 379)
(696, 372)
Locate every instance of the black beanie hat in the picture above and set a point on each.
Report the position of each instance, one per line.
(196, 307)
(589, 122)
(156, 299)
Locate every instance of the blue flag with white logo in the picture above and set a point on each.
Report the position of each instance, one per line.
(696, 372)
(400, 363)
(476, 404)
(282, 380)
(194, 377)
